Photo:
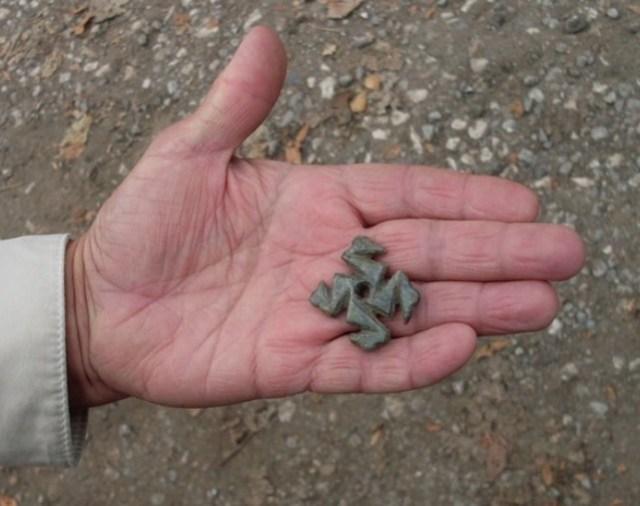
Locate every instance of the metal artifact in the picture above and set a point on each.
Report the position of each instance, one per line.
(367, 294)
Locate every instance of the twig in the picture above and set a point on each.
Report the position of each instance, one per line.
(232, 454)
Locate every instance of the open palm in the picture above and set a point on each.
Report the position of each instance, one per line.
(191, 288)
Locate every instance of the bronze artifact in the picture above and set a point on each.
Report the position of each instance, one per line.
(366, 294)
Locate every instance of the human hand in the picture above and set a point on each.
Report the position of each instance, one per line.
(192, 286)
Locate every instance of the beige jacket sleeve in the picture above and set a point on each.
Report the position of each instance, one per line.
(36, 425)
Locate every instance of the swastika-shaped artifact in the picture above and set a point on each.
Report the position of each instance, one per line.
(366, 294)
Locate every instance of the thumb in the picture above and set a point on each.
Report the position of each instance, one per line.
(243, 95)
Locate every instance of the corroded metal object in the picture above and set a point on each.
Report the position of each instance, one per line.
(366, 294)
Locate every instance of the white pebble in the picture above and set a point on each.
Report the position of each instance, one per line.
(417, 96)
(479, 64)
(399, 117)
(478, 129)
(328, 87)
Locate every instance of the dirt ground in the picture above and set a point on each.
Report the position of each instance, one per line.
(546, 92)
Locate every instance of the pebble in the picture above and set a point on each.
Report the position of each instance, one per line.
(576, 23)
(328, 87)
(527, 157)
(478, 129)
(417, 96)
(478, 65)
(458, 124)
(399, 117)
(363, 40)
(634, 365)
(618, 362)
(380, 134)
(599, 408)
(458, 387)
(428, 132)
(569, 372)
(599, 133)
(613, 13)
(453, 143)
(599, 268)
(416, 141)
(359, 102)
(4, 12)
(345, 80)
(286, 410)
(509, 126)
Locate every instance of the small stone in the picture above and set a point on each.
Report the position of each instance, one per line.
(394, 407)
(453, 143)
(253, 18)
(435, 116)
(345, 80)
(399, 117)
(599, 268)
(527, 157)
(328, 87)
(363, 40)
(599, 408)
(124, 430)
(536, 95)
(478, 129)
(576, 23)
(172, 88)
(569, 372)
(380, 134)
(458, 124)
(599, 133)
(486, 155)
(417, 96)
(611, 97)
(614, 161)
(634, 365)
(509, 126)
(428, 132)
(613, 13)
(359, 103)
(416, 141)
(4, 13)
(566, 168)
(458, 387)
(286, 410)
(478, 65)
(618, 362)
(6, 173)
(372, 82)
(556, 327)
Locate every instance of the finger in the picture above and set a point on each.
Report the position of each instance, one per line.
(381, 192)
(490, 308)
(244, 94)
(403, 364)
(432, 250)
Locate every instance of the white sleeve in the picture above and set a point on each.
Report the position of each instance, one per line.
(36, 425)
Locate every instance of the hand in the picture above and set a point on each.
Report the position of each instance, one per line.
(191, 287)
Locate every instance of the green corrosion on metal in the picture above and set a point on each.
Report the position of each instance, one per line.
(367, 294)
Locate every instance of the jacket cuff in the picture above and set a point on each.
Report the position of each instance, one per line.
(36, 423)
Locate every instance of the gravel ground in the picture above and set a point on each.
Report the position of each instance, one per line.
(546, 92)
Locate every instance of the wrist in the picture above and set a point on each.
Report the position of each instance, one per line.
(86, 389)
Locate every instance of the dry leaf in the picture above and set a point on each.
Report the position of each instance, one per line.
(433, 427)
(359, 102)
(293, 150)
(338, 9)
(547, 474)
(83, 25)
(377, 434)
(7, 501)
(622, 468)
(182, 22)
(75, 138)
(496, 460)
(492, 347)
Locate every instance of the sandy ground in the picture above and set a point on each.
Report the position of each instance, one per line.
(543, 92)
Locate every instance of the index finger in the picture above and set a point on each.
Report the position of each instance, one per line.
(382, 192)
